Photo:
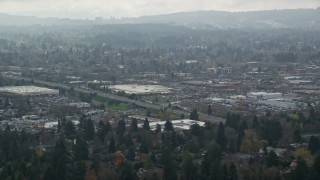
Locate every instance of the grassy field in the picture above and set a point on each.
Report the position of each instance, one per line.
(118, 106)
(142, 112)
(99, 98)
(114, 105)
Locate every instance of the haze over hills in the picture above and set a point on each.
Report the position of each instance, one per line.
(14, 20)
(295, 18)
(299, 18)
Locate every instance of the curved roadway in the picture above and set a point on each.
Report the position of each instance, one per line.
(208, 118)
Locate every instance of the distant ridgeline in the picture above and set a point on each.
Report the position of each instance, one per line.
(269, 19)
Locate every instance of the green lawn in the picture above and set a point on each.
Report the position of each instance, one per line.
(114, 105)
(142, 112)
(99, 98)
(118, 106)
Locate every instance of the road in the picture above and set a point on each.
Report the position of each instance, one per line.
(208, 118)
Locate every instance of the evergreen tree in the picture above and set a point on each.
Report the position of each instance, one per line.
(134, 125)
(225, 172)
(297, 136)
(70, 130)
(148, 113)
(59, 125)
(146, 125)
(63, 121)
(196, 130)
(255, 122)
(108, 126)
(78, 171)
(144, 147)
(89, 130)
(102, 131)
(221, 138)
(193, 146)
(126, 172)
(212, 156)
(243, 126)
(128, 140)
(121, 127)
(301, 117)
(169, 172)
(301, 172)
(7, 102)
(228, 119)
(312, 115)
(316, 168)
(314, 145)
(209, 110)
(271, 131)
(80, 150)
(50, 173)
(131, 154)
(168, 126)
(194, 114)
(233, 172)
(232, 121)
(216, 171)
(272, 159)
(189, 169)
(82, 121)
(268, 113)
(28, 101)
(112, 146)
(158, 128)
(59, 160)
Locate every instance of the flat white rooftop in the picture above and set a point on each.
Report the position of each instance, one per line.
(49, 125)
(182, 124)
(29, 90)
(140, 89)
(263, 93)
(300, 82)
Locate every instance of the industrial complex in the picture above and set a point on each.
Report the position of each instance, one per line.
(140, 89)
(28, 90)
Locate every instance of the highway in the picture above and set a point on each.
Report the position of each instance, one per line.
(208, 118)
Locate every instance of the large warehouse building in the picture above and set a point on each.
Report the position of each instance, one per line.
(264, 95)
(140, 89)
(181, 124)
(28, 90)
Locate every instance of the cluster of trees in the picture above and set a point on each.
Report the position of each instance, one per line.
(119, 150)
(70, 158)
(250, 136)
(303, 171)
(17, 160)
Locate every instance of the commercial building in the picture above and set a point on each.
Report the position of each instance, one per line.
(224, 70)
(278, 103)
(54, 124)
(140, 89)
(264, 95)
(30, 117)
(79, 105)
(300, 82)
(28, 90)
(238, 97)
(181, 124)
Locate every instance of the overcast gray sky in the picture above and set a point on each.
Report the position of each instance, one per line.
(134, 8)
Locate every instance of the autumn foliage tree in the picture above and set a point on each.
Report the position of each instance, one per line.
(251, 142)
